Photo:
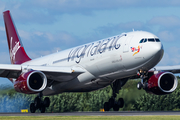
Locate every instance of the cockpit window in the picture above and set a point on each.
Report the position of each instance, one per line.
(157, 40)
(145, 40)
(141, 41)
(151, 40)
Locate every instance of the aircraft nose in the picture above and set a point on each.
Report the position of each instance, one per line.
(158, 48)
(157, 51)
(154, 50)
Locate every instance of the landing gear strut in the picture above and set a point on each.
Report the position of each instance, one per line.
(39, 104)
(112, 103)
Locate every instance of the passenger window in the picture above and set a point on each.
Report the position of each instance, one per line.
(157, 40)
(141, 41)
(151, 40)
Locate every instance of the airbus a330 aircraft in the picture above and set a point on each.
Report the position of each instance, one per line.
(111, 61)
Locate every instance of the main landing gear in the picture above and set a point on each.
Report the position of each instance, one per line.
(144, 77)
(39, 104)
(112, 103)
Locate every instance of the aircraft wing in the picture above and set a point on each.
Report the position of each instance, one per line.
(57, 73)
(173, 69)
(10, 71)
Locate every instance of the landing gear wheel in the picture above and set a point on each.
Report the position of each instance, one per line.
(46, 102)
(106, 106)
(116, 107)
(139, 85)
(32, 108)
(145, 86)
(120, 102)
(42, 109)
(111, 102)
(40, 104)
(37, 102)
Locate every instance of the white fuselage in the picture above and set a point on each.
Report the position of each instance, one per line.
(104, 61)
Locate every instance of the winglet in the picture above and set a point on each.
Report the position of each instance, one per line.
(16, 49)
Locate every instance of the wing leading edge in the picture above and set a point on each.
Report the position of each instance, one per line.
(57, 73)
(173, 69)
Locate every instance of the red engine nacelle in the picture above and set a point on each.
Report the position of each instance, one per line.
(31, 82)
(162, 83)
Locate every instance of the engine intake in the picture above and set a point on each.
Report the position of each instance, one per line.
(31, 82)
(162, 83)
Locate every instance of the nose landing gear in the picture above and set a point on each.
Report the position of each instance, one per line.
(144, 77)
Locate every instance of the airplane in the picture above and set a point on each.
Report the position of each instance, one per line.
(92, 66)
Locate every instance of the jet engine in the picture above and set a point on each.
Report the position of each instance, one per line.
(161, 83)
(31, 82)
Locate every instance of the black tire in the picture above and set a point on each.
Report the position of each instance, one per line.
(139, 85)
(32, 108)
(116, 107)
(145, 87)
(111, 103)
(42, 109)
(46, 102)
(37, 102)
(106, 106)
(120, 102)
